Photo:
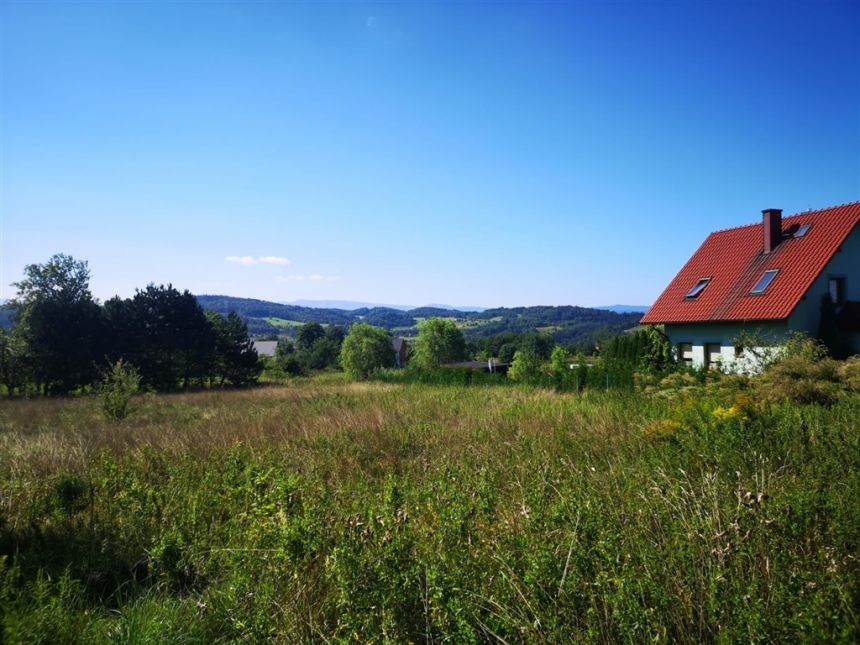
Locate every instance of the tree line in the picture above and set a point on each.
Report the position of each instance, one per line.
(532, 358)
(367, 349)
(63, 339)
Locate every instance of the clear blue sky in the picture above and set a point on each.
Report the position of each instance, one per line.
(469, 153)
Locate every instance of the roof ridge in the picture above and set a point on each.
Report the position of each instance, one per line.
(827, 208)
(809, 212)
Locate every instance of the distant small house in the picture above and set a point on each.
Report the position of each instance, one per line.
(491, 366)
(265, 347)
(771, 279)
(401, 351)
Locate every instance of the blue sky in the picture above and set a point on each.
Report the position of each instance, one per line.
(464, 153)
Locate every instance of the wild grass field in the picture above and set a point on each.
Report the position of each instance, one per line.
(325, 510)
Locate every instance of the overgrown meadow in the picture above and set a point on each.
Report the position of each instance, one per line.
(324, 510)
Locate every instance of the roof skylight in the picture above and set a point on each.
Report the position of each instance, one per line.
(802, 230)
(696, 290)
(764, 281)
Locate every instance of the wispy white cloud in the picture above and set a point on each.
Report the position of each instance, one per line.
(263, 259)
(241, 259)
(273, 259)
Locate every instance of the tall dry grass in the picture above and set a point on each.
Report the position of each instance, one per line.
(329, 510)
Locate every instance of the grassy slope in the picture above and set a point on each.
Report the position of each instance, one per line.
(329, 509)
(280, 323)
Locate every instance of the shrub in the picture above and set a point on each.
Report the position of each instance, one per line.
(119, 384)
(849, 373)
(799, 380)
(802, 346)
(69, 494)
(728, 386)
(678, 381)
(525, 367)
(657, 350)
(292, 365)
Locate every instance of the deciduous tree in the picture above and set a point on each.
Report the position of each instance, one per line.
(365, 349)
(60, 323)
(309, 333)
(439, 341)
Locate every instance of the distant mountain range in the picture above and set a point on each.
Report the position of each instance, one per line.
(626, 309)
(567, 324)
(351, 305)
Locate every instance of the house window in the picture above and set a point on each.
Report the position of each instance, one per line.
(739, 352)
(685, 353)
(713, 355)
(698, 288)
(803, 230)
(836, 286)
(764, 281)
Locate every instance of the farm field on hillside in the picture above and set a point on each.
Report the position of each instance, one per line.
(325, 509)
(281, 323)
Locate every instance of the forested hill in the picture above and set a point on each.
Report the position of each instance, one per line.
(567, 324)
(272, 316)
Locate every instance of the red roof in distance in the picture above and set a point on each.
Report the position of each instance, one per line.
(734, 260)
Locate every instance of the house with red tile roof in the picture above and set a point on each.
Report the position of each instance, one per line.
(766, 280)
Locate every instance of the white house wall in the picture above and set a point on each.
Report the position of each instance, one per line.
(845, 263)
(725, 334)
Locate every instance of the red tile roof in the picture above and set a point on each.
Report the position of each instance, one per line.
(734, 260)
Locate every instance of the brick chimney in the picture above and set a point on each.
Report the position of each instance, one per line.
(772, 226)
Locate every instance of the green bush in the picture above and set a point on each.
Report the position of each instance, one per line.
(525, 367)
(849, 373)
(797, 380)
(117, 388)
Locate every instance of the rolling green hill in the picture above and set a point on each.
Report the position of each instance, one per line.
(567, 324)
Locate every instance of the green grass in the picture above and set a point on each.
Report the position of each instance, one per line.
(329, 510)
(462, 323)
(283, 323)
